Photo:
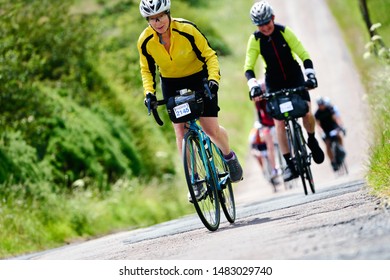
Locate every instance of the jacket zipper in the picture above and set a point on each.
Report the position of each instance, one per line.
(279, 60)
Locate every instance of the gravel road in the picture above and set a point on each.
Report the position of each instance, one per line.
(340, 221)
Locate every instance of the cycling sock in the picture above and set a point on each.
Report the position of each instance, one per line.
(311, 135)
(229, 155)
(287, 158)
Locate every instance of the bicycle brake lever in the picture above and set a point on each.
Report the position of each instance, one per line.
(148, 101)
(207, 88)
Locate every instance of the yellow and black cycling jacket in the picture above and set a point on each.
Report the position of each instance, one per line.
(190, 53)
(278, 52)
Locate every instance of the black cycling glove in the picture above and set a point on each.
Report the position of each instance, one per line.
(254, 88)
(213, 85)
(150, 99)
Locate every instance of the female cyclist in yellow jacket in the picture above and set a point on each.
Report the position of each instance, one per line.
(183, 57)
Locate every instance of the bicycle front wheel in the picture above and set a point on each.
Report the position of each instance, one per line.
(226, 195)
(304, 161)
(197, 174)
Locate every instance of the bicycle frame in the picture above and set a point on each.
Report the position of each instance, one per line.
(297, 144)
(204, 165)
(205, 150)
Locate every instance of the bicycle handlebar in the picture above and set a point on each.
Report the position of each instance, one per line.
(207, 88)
(163, 102)
(155, 112)
(285, 91)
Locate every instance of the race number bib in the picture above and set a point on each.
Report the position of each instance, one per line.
(182, 110)
(286, 107)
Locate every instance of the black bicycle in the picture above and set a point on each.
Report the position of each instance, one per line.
(204, 165)
(340, 166)
(286, 105)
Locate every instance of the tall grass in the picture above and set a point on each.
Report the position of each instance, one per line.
(376, 72)
(53, 220)
(379, 173)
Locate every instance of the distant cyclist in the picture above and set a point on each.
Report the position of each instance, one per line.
(262, 148)
(279, 47)
(266, 127)
(329, 120)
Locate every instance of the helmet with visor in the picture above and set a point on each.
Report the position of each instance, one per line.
(261, 13)
(150, 8)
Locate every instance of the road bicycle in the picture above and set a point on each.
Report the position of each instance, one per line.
(297, 143)
(205, 166)
(267, 168)
(338, 152)
(281, 163)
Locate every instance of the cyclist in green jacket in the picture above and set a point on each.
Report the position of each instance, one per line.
(278, 46)
(183, 57)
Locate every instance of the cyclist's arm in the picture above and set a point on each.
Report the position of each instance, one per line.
(147, 64)
(297, 47)
(209, 55)
(337, 120)
(252, 53)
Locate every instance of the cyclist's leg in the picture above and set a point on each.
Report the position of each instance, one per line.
(216, 132)
(257, 155)
(220, 138)
(290, 171)
(329, 149)
(340, 139)
(270, 146)
(282, 137)
(179, 132)
(270, 149)
(309, 123)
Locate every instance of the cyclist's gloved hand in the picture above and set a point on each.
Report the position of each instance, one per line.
(343, 130)
(311, 81)
(254, 88)
(213, 85)
(150, 99)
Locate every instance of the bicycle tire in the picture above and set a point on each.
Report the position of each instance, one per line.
(303, 159)
(196, 169)
(298, 160)
(281, 163)
(342, 166)
(226, 195)
(306, 162)
(295, 151)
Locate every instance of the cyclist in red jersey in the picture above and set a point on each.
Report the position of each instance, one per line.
(267, 126)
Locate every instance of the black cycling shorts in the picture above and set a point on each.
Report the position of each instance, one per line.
(170, 86)
(293, 81)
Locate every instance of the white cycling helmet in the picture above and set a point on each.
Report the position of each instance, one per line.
(321, 101)
(327, 101)
(261, 13)
(149, 8)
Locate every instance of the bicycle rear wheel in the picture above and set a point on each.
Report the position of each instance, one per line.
(196, 172)
(340, 158)
(226, 195)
